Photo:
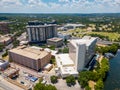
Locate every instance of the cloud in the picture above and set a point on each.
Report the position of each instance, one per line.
(60, 6)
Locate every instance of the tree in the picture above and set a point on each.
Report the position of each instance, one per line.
(40, 86)
(1, 47)
(16, 43)
(52, 61)
(65, 50)
(70, 80)
(87, 88)
(113, 48)
(54, 79)
(99, 85)
(50, 87)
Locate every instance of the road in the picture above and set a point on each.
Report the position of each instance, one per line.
(5, 85)
(6, 47)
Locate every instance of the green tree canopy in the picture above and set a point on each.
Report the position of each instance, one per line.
(70, 80)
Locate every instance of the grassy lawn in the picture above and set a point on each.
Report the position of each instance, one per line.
(80, 32)
(111, 36)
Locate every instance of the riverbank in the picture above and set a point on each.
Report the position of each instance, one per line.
(113, 79)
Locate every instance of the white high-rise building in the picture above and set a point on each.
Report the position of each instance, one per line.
(81, 51)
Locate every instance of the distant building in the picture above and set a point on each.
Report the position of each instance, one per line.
(64, 36)
(4, 27)
(81, 51)
(40, 32)
(33, 57)
(73, 26)
(5, 40)
(57, 42)
(3, 64)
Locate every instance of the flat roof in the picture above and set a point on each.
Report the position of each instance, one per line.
(65, 60)
(4, 38)
(55, 39)
(30, 52)
(48, 66)
(85, 40)
(10, 71)
(65, 64)
(47, 25)
(76, 25)
(2, 61)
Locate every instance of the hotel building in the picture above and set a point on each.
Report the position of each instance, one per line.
(81, 51)
(40, 32)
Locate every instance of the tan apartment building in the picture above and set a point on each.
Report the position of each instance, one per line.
(33, 57)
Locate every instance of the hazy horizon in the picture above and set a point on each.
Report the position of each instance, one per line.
(60, 6)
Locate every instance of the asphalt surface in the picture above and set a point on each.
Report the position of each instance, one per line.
(5, 87)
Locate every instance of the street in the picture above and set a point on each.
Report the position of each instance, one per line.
(5, 85)
(6, 47)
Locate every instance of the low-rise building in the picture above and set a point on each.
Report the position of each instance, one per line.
(33, 57)
(57, 42)
(65, 66)
(3, 64)
(5, 40)
(48, 67)
(73, 26)
(11, 72)
(64, 36)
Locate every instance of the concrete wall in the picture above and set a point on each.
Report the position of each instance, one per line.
(72, 52)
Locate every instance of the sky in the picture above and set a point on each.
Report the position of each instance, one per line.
(59, 6)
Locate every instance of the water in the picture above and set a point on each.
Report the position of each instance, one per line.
(113, 80)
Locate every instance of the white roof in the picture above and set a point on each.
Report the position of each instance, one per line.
(48, 66)
(65, 64)
(1, 63)
(76, 25)
(85, 40)
(53, 52)
(65, 60)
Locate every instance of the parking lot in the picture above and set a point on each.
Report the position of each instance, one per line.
(27, 77)
(26, 73)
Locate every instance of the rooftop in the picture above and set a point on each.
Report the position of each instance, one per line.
(46, 25)
(10, 71)
(55, 39)
(4, 22)
(4, 38)
(87, 40)
(2, 62)
(65, 64)
(75, 25)
(30, 52)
